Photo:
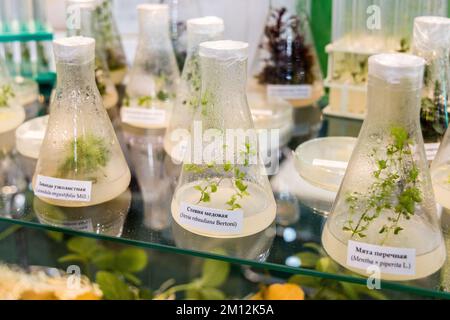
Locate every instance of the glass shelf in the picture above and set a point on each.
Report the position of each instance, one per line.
(26, 36)
(143, 219)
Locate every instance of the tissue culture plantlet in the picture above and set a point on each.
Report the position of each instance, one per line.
(395, 189)
(85, 156)
(6, 93)
(433, 113)
(114, 58)
(194, 81)
(290, 59)
(238, 177)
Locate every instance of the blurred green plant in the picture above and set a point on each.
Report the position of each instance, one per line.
(327, 289)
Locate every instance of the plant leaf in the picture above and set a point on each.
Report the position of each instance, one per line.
(113, 287)
(83, 246)
(214, 273)
(131, 260)
(71, 258)
(212, 294)
(308, 259)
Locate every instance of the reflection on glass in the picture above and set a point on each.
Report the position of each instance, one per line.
(254, 247)
(156, 176)
(107, 218)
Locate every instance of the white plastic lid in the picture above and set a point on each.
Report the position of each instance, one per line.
(205, 25)
(224, 50)
(152, 13)
(76, 50)
(30, 135)
(431, 33)
(83, 3)
(396, 67)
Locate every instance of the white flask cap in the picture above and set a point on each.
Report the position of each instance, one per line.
(205, 25)
(397, 67)
(224, 50)
(431, 33)
(75, 50)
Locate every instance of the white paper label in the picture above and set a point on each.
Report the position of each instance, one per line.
(63, 189)
(431, 150)
(302, 91)
(145, 116)
(390, 260)
(212, 220)
(330, 164)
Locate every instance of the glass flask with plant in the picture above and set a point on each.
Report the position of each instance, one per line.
(89, 26)
(224, 178)
(287, 57)
(109, 35)
(385, 201)
(189, 91)
(80, 150)
(432, 42)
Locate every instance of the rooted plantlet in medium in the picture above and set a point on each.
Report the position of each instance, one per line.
(80, 162)
(385, 207)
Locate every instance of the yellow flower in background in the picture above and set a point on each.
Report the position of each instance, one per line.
(278, 291)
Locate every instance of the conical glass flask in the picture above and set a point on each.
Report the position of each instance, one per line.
(12, 113)
(188, 94)
(432, 42)
(112, 43)
(180, 12)
(223, 190)
(440, 174)
(286, 64)
(88, 27)
(154, 76)
(80, 161)
(384, 218)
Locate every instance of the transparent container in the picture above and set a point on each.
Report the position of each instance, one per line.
(360, 29)
(432, 42)
(254, 247)
(440, 174)
(286, 64)
(44, 59)
(107, 218)
(12, 181)
(89, 27)
(27, 94)
(154, 77)
(180, 12)
(323, 161)
(188, 93)
(384, 218)
(80, 161)
(111, 41)
(12, 113)
(223, 190)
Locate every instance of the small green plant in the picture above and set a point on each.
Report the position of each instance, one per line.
(211, 184)
(394, 191)
(6, 93)
(86, 154)
(193, 79)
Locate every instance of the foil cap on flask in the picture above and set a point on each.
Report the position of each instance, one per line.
(431, 33)
(397, 69)
(224, 50)
(74, 50)
(205, 25)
